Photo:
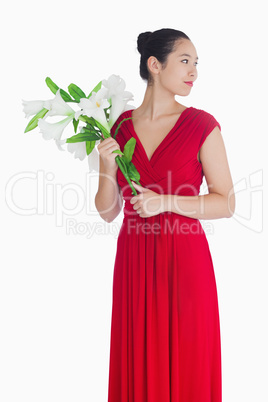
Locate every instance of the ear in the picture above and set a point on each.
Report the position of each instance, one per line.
(153, 65)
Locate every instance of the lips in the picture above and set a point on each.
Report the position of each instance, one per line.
(190, 83)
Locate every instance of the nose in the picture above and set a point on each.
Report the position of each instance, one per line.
(193, 72)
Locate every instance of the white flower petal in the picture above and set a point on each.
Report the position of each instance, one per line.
(128, 107)
(32, 107)
(113, 80)
(77, 114)
(78, 149)
(58, 107)
(59, 144)
(127, 95)
(93, 159)
(116, 110)
(94, 107)
(87, 107)
(99, 115)
(101, 94)
(53, 130)
(115, 85)
(105, 104)
(121, 86)
(85, 103)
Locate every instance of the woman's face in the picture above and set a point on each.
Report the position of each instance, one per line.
(180, 68)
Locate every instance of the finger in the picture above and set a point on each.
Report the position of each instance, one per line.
(139, 188)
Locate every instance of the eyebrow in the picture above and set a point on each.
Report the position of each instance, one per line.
(188, 55)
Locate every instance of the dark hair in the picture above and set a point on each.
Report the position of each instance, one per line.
(160, 44)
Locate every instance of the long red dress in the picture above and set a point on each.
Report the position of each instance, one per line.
(165, 331)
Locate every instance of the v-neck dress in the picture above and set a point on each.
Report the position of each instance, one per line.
(165, 330)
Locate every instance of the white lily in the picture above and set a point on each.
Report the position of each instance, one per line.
(94, 107)
(94, 159)
(78, 149)
(116, 86)
(58, 107)
(31, 108)
(118, 96)
(59, 144)
(119, 106)
(53, 130)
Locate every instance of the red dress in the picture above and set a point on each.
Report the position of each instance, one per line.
(165, 331)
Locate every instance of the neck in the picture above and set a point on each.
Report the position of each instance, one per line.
(158, 102)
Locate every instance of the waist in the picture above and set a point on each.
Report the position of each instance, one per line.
(164, 223)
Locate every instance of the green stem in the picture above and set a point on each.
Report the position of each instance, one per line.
(122, 168)
(86, 120)
(125, 174)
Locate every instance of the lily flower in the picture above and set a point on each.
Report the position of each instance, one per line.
(31, 108)
(94, 107)
(119, 105)
(118, 96)
(58, 107)
(116, 86)
(94, 159)
(53, 130)
(78, 149)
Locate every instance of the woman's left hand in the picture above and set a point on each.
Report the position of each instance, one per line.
(147, 203)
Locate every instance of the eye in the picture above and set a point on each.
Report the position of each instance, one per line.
(188, 60)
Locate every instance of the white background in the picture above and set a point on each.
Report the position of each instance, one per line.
(56, 280)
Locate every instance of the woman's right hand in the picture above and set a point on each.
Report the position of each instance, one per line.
(106, 148)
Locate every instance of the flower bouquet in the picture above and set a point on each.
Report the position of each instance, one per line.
(97, 112)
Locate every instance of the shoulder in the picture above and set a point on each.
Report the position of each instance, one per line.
(204, 120)
(202, 114)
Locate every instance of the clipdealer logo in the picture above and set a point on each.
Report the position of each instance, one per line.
(48, 197)
(45, 197)
(66, 201)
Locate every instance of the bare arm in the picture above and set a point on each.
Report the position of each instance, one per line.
(108, 200)
(220, 202)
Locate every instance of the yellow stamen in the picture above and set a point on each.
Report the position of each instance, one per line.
(98, 104)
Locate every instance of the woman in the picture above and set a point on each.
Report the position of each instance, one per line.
(165, 330)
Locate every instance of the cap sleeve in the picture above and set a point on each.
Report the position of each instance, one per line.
(209, 124)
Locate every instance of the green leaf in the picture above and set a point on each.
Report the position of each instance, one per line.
(51, 85)
(129, 149)
(133, 173)
(65, 96)
(96, 89)
(90, 130)
(90, 146)
(87, 119)
(34, 121)
(90, 121)
(122, 163)
(87, 129)
(117, 128)
(76, 92)
(105, 133)
(82, 137)
(123, 167)
(118, 151)
(75, 124)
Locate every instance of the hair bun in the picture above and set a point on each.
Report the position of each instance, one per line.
(142, 39)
